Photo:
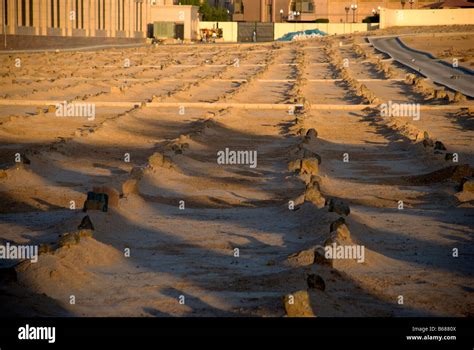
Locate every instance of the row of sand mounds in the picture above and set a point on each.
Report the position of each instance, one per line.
(455, 173)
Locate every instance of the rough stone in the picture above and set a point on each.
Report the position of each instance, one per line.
(45, 249)
(302, 258)
(428, 143)
(311, 134)
(339, 207)
(315, 282)
(130, 187)
(294, 165)
(310, 166)
(136, 173)
(313, 195)
(86, 224)
(112, 193)
(158, 160)
(69, 239)
(298, 304)
(467, 184)
(439, 146)
(96, 201)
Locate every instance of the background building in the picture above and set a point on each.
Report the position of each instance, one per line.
(97, 18)
(51, 22)
(171, 20)
(310, 10)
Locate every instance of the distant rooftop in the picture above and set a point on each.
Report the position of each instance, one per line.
(449, 4)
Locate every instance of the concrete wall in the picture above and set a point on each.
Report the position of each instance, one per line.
(229, 29)
(187, 15)
(329, 28)
(426, 17)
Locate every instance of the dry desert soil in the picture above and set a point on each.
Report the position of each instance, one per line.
(224, 236)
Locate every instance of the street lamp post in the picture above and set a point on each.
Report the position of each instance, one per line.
(354, 8)
(281, 15)
(347, 8)
(376, 11)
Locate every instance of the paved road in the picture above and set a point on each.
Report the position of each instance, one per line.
(441, 73)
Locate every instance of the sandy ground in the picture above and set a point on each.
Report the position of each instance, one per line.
(191, 252)
(446, 47)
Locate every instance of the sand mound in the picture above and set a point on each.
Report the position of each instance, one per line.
(451, 173)
(68, 269)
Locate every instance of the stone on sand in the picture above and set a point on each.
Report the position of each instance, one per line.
(313, 195)
(45, 248)
(439, 146)
(294, 165)
(130, 187)
(338, 206)
(310, 166)
(69, 239)
(302, 258)
(311, 134)
(136, 173)
(315, 282)
(114, 195)
(428, 143)
(339, 229)
(86, 223)
(468, 184)
(158, 160)
(298, 304)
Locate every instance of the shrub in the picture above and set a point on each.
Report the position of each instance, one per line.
(371, 19)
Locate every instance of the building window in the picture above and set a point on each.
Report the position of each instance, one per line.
(31, 13)
(5, 8)
(79, 13)
(101, 14)
(23, 12)
(51, 12)
(239, 7)
(82, 14)
(136, 15)
(123, 15)
(118, 14)
(303, 6)
(58, 13)
(76, 13)
(98, 15)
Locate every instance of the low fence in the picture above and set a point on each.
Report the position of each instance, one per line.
(329, 28)
(425, 17)
(230, 30)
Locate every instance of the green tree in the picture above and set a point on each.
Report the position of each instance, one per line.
(208, 12)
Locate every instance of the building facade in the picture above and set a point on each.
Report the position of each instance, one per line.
(184, 19)
(336, 11)
(95, 18)
(89, 18)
